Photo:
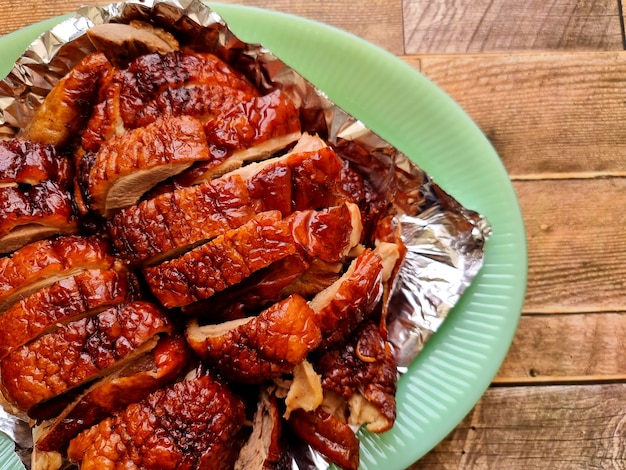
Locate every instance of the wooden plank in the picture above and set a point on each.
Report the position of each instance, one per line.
(567, 348)
(557, 428)
(460, 26)
(576, 244)
(548, 115)
(378, 21)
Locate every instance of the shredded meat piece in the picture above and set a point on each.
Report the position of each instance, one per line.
(228, 259)
(364, 370)
(84, 294)
(190, 425)
(79, 351)
(46, 261)
(260, 348)
(66, 109)
(127, 166)
(114, 392)
(26, 162)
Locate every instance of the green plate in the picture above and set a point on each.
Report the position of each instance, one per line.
(401, 105)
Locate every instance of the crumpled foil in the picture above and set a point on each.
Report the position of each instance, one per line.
(445, 241)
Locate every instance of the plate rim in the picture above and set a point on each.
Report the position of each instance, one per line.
(351, 41)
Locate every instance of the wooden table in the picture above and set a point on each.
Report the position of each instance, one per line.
(546, 82)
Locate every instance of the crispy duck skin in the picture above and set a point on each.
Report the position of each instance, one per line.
(190, 425)
(31, 213)
(154, 85)
(256, 349)
(26, 162)
(341, 307)
(113, 393)
(78, 352)
(327, 435)
(230, 258)
(66, 109)
(363, 370)
(74, 297)
(46, 261)
(127, 166)
(174, 221)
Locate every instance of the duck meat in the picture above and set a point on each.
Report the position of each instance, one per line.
(78, 352)
(27, 162)
(190, 425)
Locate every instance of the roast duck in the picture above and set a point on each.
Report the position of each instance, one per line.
(188, 279)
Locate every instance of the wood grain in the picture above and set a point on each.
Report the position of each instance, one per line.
(521, 428)
(383, 26)
(461, 26)
(548, 115)
(576, 244)
(567, 349)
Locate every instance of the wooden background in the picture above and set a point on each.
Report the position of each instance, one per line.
(546, 82)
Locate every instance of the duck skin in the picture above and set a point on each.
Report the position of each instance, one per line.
(170, 223)
(27, 162)
(45, 262)
(78, 352)
(127, 166)
(191, 425)
(328, 234)
(113, 393)
(87, 293)
(256, 349)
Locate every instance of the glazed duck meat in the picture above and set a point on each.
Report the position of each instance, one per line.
(190, 425)
(44, 262)
(84, 294)
(162, 226)
(78, 352)
(260, 348)
(127, 166)
(34, 199)
(125, 386)
(228, 259)
(179, 253)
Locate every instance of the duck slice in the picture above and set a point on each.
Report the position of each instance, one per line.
(127, 166)
(26, 162)
(328, 234)
(45, 262)
(32, 213)
(66, 109)
(364, 373)
(130, 384)
(256, 349)
(155, 85)
(72, 298)
(190, 425)
(171, 223)
(79, 351)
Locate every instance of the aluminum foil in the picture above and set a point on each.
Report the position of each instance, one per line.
(445, 241)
